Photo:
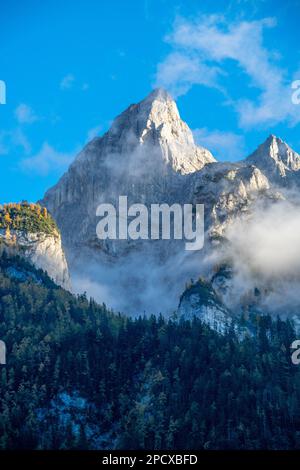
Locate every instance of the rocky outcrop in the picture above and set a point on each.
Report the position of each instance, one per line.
(230, 191)
(43, 250)
(201, 301)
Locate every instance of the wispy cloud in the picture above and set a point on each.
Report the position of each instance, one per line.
(264, 250)
(25, 114)
(12, 139)
(180, 71)
(201, 51)
(223, 145)
(67, 82)
(47, 160)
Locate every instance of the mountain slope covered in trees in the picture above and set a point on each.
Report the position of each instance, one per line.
(80, 376)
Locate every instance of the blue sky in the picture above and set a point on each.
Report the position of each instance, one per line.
(71, 67)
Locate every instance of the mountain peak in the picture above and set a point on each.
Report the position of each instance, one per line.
(155, 123)
(275, 158)
(156, 109)
(273, 139)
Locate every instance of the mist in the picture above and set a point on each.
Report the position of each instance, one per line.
(141, 283)
(264, 252)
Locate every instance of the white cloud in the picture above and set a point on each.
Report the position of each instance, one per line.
(264, 251)
(268, 243)
(47, 160)
(208, 43)
(25, 114)
(180, 71)
(223, 145)
(67, 82)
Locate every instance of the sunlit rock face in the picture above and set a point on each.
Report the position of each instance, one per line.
(277, 161)
(43, 250)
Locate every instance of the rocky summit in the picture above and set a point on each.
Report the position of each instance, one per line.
(277, 161)
(150, 156)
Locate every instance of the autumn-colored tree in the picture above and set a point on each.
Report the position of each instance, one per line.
(7, 233)
(7, 219)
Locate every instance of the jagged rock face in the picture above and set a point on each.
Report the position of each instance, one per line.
(277, 161)
(201, 301)
(43, 250)
(229, 191)
(156, 121)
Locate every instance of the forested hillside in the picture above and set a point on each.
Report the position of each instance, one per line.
(80, 376)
